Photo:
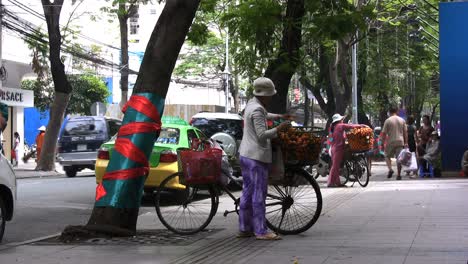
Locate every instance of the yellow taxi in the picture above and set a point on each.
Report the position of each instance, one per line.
(175, 133)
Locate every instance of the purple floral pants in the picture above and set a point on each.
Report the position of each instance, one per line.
(254, 190)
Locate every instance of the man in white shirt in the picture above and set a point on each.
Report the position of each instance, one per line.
(395, 137)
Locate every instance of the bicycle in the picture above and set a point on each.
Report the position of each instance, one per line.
(354, 168)
(357, 169)
(292, 206)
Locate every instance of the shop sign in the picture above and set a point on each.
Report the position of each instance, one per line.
(17, 97)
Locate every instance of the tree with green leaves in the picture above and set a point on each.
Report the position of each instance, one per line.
(267, 39)
(118, 198)
(62, 86)
(87, 89)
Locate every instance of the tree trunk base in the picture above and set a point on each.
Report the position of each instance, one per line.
(78, 233)
(104, 222)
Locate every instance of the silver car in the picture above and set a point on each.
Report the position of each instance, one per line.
(7, 193)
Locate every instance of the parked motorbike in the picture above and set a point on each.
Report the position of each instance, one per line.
(29, 152)
(322, 168)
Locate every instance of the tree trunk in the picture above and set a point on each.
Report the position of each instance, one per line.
(338, 71)
(118, 199)
(57, 111)
(123, 25)
(61, 85)
(288, 59)
(324, 80)
(306, 101)
(362, 117)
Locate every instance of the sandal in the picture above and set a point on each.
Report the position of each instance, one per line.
(390, 174)
(245, 234)
(268, 236)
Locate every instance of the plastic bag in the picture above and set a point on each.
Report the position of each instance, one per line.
(404, 158)
(276, 174)
(413, 166)
(226, 170)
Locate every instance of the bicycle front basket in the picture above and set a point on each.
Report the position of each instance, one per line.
(201, 167)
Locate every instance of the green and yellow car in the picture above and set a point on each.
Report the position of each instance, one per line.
(175, 133)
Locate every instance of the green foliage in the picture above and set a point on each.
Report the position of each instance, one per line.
(388, 59)
(206, 59)
(43, 92)
(198, 34)
(123, 8)
(87, 89)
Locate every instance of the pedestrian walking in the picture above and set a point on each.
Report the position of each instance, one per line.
(40, 142)
(255, 160)
(15, 150)
(424, 134)
(337, 143)
(395, 137)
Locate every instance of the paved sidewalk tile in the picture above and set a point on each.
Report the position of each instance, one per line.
(401, 222)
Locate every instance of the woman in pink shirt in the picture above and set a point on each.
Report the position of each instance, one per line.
(337, 130)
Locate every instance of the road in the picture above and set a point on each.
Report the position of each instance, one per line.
(46, 205)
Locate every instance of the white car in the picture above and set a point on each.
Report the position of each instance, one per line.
(226, 129)
(7, 193)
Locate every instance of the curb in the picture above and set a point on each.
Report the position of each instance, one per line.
(25, 174)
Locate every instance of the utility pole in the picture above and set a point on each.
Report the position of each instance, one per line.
(354, 81)
(354, 78)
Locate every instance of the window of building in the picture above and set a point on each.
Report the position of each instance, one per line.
(134, 29)
(153, 11)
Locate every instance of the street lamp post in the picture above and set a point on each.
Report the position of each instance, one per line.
(226, 74)
(354, 80)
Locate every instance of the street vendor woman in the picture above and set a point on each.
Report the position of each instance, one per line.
(337, 130)
(255, 160)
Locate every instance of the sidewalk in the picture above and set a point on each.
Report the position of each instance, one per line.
(408, 221)
(27, 170)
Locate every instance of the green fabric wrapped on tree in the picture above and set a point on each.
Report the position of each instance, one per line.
(4, 111)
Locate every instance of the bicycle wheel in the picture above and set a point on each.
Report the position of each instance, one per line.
(349, 171)
(312, 170)
(295, 206)
(362, 171)
(186, 214)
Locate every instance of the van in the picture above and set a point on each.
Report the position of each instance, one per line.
(226, 129)
(80, 140)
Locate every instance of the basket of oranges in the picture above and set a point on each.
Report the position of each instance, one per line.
(360, 139)
(299, 145)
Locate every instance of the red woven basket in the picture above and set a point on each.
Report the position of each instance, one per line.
(201, 167)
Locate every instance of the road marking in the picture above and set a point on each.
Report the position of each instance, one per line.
(16, 244)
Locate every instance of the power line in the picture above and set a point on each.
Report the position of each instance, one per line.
(41, 16)
(25, 28)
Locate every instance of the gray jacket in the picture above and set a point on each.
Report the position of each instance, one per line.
(432, 150)
(256, 143)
